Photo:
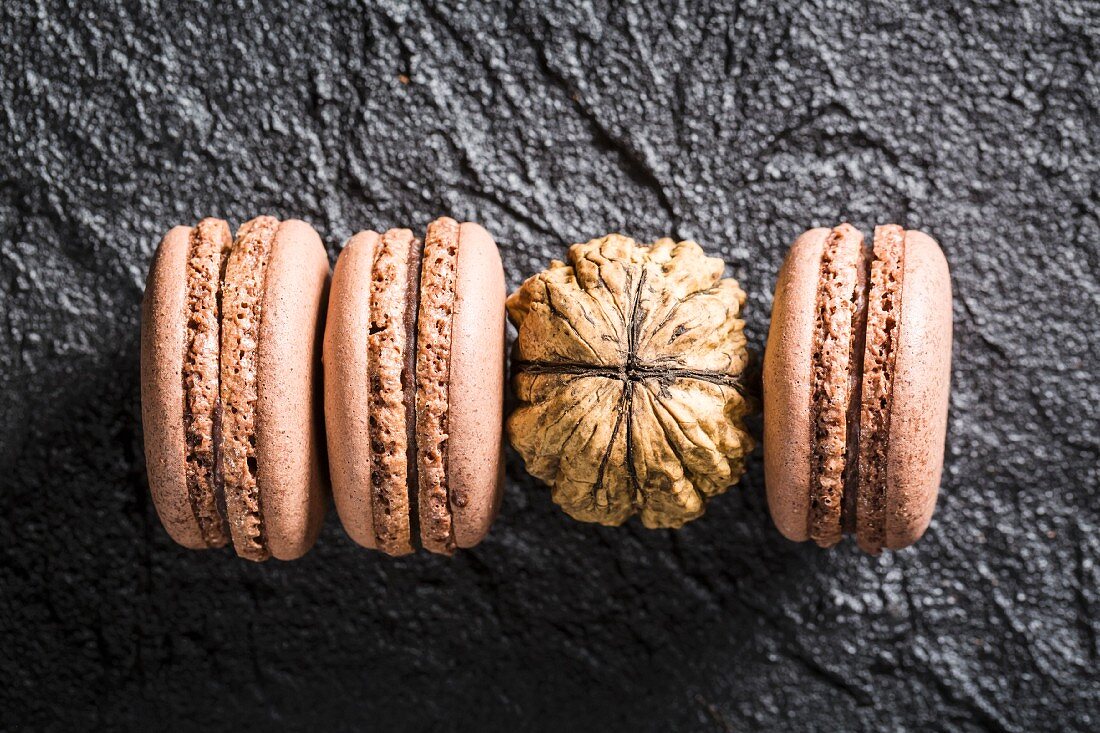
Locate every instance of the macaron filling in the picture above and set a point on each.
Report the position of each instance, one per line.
(391, 346)
(433, 371)
(855, 342)
(408, 382)
(242, 302)
(209, 244)
(883, 311)
(855, 391)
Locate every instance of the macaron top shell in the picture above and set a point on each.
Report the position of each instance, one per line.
(369, 360)
(476, 394)
(288, 404)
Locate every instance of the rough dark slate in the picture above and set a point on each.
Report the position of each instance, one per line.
(736, 125)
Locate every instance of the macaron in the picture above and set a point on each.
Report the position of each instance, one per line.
(856, 378)
(414, 387)
(230, 363)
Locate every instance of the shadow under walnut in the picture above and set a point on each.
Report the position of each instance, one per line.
(627, 371)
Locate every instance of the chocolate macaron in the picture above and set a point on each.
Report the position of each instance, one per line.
(414, 385)
(230, 362)
(856, 379)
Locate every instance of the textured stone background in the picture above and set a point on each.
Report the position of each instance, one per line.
(736, 125)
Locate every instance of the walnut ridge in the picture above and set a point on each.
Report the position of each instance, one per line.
(627, 372)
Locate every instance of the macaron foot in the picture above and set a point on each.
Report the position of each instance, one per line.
(208, 246)
(835, 330)
(242, 298)
(390, 343)
(433, 373)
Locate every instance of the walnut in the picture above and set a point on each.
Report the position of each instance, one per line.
(627, 369)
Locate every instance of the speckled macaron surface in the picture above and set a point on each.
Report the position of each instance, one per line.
(230, 355)
(856, 382)
(414, 382)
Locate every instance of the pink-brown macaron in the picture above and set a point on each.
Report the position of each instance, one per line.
(856, 378)
(230, 361)
(414, 385)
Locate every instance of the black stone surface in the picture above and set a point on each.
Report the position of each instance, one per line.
(737, 125)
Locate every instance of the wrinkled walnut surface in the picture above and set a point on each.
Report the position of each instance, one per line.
(627, 369)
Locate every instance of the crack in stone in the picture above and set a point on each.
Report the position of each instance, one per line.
(634, 162)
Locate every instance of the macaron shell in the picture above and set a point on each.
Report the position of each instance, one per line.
(918, 416)
(787, 384)
(163, 329)
(476, 393)
(288, 442)
(346, 387)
